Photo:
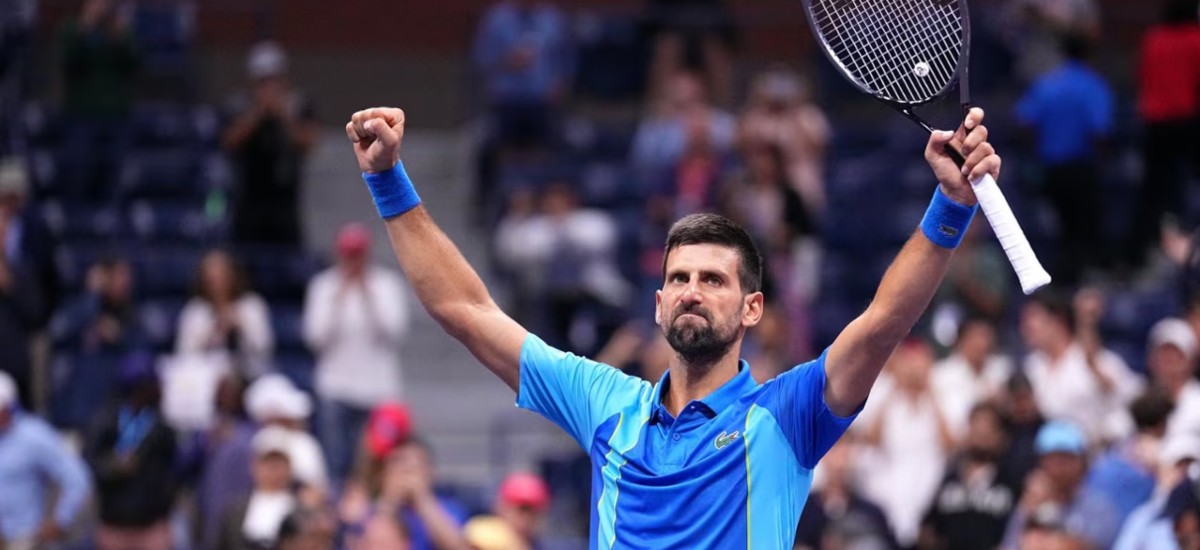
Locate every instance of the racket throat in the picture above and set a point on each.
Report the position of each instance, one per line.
(951, 151)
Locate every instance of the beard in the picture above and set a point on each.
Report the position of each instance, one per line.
(698, 343)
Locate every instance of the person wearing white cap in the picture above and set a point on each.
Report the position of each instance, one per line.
(272, 401)
(34, 462)
(274, 126)
(1171, 359)
(1145, 528)
(254, 522)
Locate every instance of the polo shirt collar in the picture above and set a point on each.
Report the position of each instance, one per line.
(712, 404)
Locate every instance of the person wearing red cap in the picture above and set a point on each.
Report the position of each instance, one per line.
(522, 503)
(357, 343)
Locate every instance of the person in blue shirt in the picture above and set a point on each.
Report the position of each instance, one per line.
(1070, 113)
(35, 463)
(707, 457)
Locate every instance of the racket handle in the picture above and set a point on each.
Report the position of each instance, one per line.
(1008, 231)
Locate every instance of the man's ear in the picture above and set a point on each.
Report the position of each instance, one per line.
(752, 310)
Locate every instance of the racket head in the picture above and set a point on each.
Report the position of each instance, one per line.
(902, 52)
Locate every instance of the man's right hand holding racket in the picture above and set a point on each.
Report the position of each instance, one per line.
(981, 158)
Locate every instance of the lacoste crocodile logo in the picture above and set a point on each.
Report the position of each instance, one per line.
(725, 439)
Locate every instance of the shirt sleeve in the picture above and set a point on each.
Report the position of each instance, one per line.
(69, 474)
(574, 392)
(796, 399)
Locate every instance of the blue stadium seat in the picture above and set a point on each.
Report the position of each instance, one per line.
(82, 223)
(287, 321)
(166, 270)
(163, 124)
(166, 173)
(612, 57)
(184, 222)
(279, 273)
(298, 367)
(160, 318)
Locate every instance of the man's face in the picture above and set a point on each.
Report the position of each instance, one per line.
(1169, 365)
(272, 472)
(1065, 470)
(701, 308)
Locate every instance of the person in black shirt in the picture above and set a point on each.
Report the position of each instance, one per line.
(273, 128)
(836, 515)
(971, 509)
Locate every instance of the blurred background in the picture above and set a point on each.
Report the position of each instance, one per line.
(205, 342)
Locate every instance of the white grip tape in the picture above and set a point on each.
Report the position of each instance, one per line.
(1008, 231)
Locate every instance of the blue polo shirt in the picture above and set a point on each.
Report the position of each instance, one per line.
(1069, 108)
(733, 470)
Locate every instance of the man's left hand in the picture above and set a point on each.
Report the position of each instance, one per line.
(980, 156)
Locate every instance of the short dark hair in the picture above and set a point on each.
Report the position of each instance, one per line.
(1151, 410)
(1057, 304)
(707, 228)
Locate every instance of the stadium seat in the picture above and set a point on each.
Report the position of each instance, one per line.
(287, 321)
(182, 222)
(166, 173)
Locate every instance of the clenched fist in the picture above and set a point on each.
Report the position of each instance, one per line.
(376, 135)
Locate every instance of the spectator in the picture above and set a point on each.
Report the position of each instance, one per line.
(681, 114)
(763, 200)
(781, 113)
(272, 400)
(1169, 106)
(523, 53)
(355, 320)
(273, 127)
(1171, 362)
(254, 523)
(35, 463)
(225, 319)
(566, 255)
(973, 373)
(308, 528)
(399, 484)
(978, 494)
(94, 333)
(837, 514)
(522, 504)
(911, 439)
(100, 66)
(492, 533)
(693, 35)
(1125, 473)
(1087, 385)
(1183, 509)
(29, 240)
(22, 304)
(132, 454)
(1056, 489)
(1146, 528)
(1025, 421)
(226, 458)
(1070, 110)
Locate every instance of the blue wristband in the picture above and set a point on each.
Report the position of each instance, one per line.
(393, 192)
(946, 221)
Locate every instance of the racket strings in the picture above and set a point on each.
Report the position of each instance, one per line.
(902, 50)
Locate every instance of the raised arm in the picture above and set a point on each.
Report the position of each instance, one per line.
(859, 352)
(442, 279)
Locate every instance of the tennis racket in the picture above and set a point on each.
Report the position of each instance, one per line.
(907, 53)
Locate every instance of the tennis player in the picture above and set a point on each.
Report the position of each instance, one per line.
(705, 458)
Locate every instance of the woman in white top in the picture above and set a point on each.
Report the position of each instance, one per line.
(226, 319)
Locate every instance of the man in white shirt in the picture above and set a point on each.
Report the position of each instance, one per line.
(971, 374)
(254, 522)
(1089, 386)
(909, 439)
(1171, 360)
(355, 319)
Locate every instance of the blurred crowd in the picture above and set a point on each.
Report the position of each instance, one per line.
(177, 371)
